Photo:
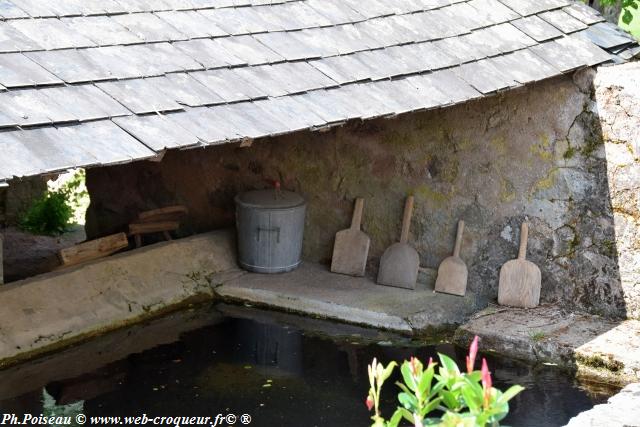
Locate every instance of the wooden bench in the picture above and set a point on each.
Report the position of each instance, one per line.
(163, 220)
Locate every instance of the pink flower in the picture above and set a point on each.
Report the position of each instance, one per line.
(486, 382)
(473, 351)
(430, 362)
(369, 402)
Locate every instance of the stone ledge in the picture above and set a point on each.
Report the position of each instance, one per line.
(621, 410)
(313, 290)
(600, 350)
(56, 309)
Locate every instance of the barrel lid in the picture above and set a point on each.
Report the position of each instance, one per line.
(270, 199)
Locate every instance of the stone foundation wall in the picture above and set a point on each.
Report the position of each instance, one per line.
(618, 102)
(535, 154)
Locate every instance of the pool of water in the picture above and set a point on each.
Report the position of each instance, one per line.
(280, 369)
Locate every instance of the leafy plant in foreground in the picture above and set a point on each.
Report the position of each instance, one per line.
(463, 399)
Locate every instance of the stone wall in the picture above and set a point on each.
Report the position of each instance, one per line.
(618, 102)
(534, 153)
(18, 196)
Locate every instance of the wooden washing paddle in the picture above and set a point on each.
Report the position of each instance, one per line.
(520, 280)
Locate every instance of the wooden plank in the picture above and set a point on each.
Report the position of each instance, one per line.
(169, 213)
(152, 227)
(93, 249)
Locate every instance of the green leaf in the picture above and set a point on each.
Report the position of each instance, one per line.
(627, 16)
(471, 399)
(395, 418)
(403, 387)
(449, 399)
(424, 386)
(475, 376)
(448, 363)
(436, 389)
(473, 385)
(407, 376)
(388, 370)
(406, 414)
(509, 394)
(431, 406)
(409, 401)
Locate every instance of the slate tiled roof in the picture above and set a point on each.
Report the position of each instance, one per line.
(96, 82)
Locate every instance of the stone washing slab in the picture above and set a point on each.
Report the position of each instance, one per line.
(53, 310)
(313, 290)
(56, 309)
(600, 350)
(621, 410)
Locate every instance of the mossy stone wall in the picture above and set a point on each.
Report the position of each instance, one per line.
(535, 154)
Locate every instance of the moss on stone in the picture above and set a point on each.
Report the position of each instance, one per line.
(499, 144)
(608, 248)
(507, 191)
(542, 149)
(599, 361)
(569, 153)
(537, 336)
(590, 146)
(427, 193)
(400, 139)
(463, 144)
(547, 182)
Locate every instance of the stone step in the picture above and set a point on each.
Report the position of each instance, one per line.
(600, 350)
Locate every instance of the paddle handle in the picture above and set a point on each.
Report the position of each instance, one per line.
(524, 235)
(406, 219)
(357, 214)
(456, 248)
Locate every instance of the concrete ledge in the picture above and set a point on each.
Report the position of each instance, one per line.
(600, 350)
(56, 309)
(313, 289)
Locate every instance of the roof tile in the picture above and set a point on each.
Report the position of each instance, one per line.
(50, 33)
(536, 28)
(563, 21)
(17, 70)
(231, 69)
(139, 95)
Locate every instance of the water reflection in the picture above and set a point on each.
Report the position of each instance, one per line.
(272, 369)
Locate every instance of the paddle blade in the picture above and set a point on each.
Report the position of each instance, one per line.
(452, 276)
(399, 266)
(520, 283)
(350, 252)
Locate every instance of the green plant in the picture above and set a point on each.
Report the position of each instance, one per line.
(626, 8)
(49, 214)
(462, 399)
(52, 213)
(537, 336)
